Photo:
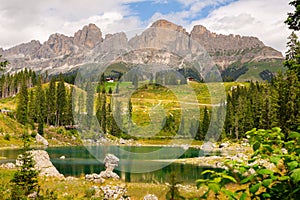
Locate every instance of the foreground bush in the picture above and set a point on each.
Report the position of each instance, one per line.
(273, 172)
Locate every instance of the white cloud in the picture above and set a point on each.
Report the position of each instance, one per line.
(263, 19)
(21, 22)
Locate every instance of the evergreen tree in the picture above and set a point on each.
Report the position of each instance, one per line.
(60, 101)
(293, 20)
(51, 102)
(31, 109)
(22, 107)
(205, 123)
(68, 119)
(89, 104)
(129, 116)
(25, 180)
(199, 132)
(40, 106)
(116, 119)
(292, 61)
(103, 114)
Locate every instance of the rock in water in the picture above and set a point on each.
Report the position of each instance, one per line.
(110, 161)
(42, 164)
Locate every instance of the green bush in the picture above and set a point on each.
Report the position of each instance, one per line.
(275, 166)
(7, 137)
(33, 134)
(60, 131)
(90, 192)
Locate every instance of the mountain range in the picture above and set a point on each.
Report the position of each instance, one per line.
(61, 53)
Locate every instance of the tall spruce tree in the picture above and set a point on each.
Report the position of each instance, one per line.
(22, 107)
(40, 106)
(60, 101)
(116, 119)
(293, 20)
(51, 102)
(129, 117)
(205, 122)
(25, 180)
(89, 104)
(68, 119)
(292, 61)
(31, 109)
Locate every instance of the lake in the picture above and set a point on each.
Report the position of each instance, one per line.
(137, 164)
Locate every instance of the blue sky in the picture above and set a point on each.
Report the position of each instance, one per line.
(146, 9)
(20, 23)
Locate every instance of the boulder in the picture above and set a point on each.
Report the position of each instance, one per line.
(110, 161)
(8, 166)
(42, 164)
(41, 139)
(150, 197)
(94, 177)
(115, 192)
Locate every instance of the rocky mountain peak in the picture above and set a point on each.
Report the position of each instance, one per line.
(89, 37)
(24, 49)
(60, 52)
(199, 29)
(164, 24)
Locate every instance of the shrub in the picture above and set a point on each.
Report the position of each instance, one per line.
(7, 137)
(33, 134)
(90, 192)
(275, 166)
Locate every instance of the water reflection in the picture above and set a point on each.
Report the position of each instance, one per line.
(79, 161)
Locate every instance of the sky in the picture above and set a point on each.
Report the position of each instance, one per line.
(22, 21)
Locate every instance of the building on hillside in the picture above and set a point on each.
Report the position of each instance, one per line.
(109, 80)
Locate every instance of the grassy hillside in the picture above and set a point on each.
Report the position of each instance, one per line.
(255, 68)
(144, 100)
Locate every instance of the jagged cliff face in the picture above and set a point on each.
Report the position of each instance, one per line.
(228, 49)
(61, 53)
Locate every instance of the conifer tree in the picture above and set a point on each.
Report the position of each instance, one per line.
(25, 180)
(103, 113)
(129, 116)
(205, 122)
(116, 119)
(22, 107)
(60, 101)
(51, 102)
(31, 109)
(40, 106)
(293, 20)
(89, 104)
(68, 119)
